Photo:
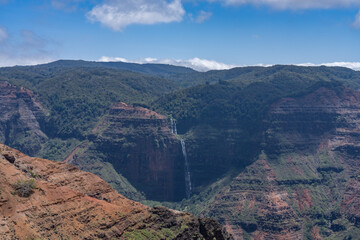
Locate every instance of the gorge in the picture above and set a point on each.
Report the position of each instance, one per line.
(270, 153)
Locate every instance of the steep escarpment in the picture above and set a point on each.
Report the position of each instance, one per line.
(20, 116)
(62, 202)
(305, 183)
(140, 146)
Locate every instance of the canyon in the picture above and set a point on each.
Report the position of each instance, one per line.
(270, 153)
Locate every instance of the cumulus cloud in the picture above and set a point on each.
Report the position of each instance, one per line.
(26, 49)
(296, 4)
(194, 63)
(112, 59)
(205, 65)
(118, 14)
(356, 22)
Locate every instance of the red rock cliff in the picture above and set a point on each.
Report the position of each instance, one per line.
(65, 203)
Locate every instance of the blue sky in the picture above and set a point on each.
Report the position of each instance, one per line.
(205, 34)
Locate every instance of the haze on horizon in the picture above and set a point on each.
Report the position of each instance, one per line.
(205, 34)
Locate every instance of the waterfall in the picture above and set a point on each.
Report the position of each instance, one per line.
(186, 162)
(175, 130)
(173, 126)
(187, 170)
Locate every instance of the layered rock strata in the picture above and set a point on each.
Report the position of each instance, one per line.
(65, 203)
(20, 117)
(305, 183)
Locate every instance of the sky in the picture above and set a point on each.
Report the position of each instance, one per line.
(203, 34)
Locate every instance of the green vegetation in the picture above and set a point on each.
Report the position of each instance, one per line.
(77, 97)
(24, 188)
(57, 149)
(242, 100)
(248, 75)
(157, 70)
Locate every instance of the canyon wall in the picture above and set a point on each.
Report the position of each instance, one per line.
(139, 144)
(20, 118)
(305, 183)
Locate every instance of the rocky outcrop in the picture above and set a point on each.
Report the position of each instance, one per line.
(140, 146)
(65, 203)
(20, 117)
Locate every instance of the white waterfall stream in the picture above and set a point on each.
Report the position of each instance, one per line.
(187, 170)
(173, 126)
(186, 161)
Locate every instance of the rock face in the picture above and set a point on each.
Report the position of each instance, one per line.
(305, 183)
(139, 144)
(65, 203)
(256, 205)
(19, 120)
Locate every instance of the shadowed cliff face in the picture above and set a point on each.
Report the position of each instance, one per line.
(140, 146)
(19, 120)
(214, 151)
(305, 183)
(65, 203)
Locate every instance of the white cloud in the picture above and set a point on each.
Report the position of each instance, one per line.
(118, 14)
(203, 65)
(194, 63)
(3, 34)
(296, 4)
(112, 59)
(356, 22)
(203, 16)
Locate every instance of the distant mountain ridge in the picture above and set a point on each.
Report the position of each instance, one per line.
(152, 69)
